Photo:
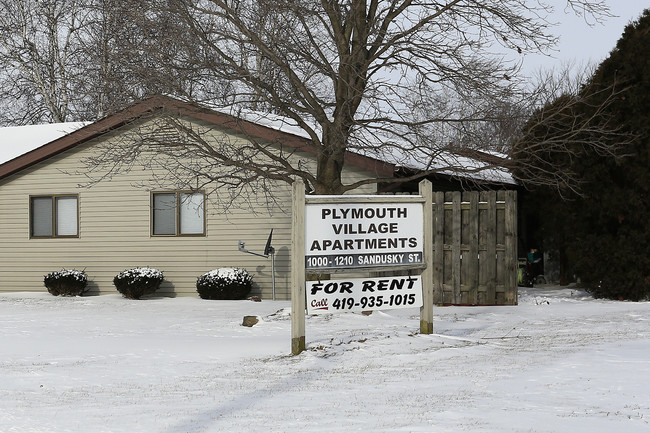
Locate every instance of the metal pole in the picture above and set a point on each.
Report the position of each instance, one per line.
(273, 272)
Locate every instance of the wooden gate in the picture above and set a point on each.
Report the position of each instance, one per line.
(475, 248)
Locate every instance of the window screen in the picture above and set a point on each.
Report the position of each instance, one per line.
(54, 215)
(164, 214)
(66, 216)
(191, 213)
(42, 216)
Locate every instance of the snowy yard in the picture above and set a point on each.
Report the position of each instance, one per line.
(558, 362)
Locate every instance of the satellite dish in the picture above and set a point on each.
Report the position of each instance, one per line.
(268, 249)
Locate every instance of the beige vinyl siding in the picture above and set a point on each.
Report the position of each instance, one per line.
(114, 233)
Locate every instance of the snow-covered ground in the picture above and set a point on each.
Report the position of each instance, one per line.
(558, 362)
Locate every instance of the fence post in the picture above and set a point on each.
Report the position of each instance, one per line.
(298, 268)
(426, 312)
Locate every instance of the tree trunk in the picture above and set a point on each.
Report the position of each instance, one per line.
(330, 167)
(330, 160)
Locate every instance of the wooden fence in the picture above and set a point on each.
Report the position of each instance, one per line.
(475, 248)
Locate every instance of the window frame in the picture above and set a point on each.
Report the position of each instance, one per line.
(53, 198)
(177, 214)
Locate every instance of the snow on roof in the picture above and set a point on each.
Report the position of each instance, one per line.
(483, 168)
(18, 140)
(445, 162)
(275, 121)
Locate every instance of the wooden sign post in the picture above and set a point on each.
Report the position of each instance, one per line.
(298, 268)
(426, 311)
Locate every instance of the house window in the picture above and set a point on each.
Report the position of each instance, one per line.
(178, 213)
(54, 216)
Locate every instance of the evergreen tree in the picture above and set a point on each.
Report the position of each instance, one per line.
(605, 232)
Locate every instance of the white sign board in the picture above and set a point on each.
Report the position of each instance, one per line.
(363, 294)
(354, 235)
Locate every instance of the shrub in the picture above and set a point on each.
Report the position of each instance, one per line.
(138, 282)
(224, 283)
(66, 282)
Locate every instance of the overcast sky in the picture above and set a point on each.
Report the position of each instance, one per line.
(582, 43)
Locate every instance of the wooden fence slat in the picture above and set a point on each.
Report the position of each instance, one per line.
(455, 247)
(438, 247)
(491, 244)
(473, 249)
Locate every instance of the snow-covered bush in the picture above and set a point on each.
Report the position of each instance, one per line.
(66, 282)
(224, 283)
(138, 282)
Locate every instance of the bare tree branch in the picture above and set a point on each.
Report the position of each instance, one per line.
(419, 84)
(404, 80)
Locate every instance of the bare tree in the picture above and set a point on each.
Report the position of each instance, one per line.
(39, 59)
(106, 88)
(399, 80)
(133, 50)
(569, 115)
(424, 85)
(63, 60)
(59, 60)
(557, 118)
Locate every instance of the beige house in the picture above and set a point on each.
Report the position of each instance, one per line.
(51, 218)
